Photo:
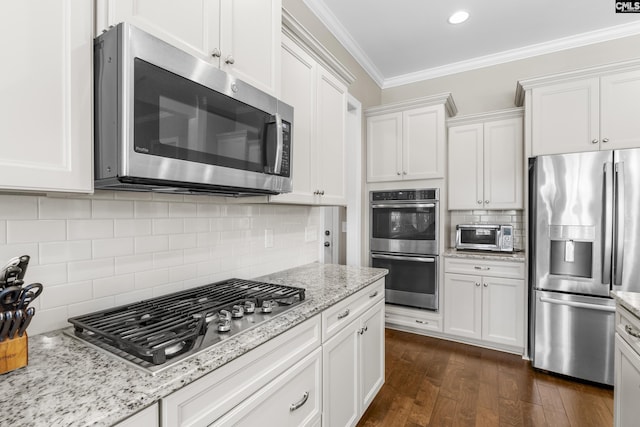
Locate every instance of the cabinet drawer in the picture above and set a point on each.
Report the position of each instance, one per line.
(628, 327)
(506, 269)
(336, 317)
(293, 399)
(210, 397)
(413, 319)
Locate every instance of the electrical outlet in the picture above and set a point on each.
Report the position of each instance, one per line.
(311, 233)
(268, 238)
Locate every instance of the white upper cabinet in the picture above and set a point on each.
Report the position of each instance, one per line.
(486, 161)
(586, 110)
(241, 37)
(319, 100)
(408, 140)
(47, 96)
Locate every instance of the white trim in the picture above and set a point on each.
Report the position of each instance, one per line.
(336, 28)
(354, 181)
(323, 13)
(508, 113)
(443, 98)
(303, 38)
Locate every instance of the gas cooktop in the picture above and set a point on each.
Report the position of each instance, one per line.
(157, 333)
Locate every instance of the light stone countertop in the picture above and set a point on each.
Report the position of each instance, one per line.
(629, 300)
(70, 384)
(518, 256)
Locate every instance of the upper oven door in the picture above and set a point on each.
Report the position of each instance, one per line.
(410, 228)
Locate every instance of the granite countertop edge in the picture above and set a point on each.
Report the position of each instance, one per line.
(628, 300)
(68, 383)
(517, 256)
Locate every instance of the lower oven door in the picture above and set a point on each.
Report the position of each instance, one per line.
(412, 280)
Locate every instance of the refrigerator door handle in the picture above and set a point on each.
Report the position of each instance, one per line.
(577, 304)
(619, 225)
(607, 224)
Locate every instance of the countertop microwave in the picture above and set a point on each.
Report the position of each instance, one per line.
(168, 121)
(485, 237)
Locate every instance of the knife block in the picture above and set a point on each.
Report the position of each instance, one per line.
(14, 353)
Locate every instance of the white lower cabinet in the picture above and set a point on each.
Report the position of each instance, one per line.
(626, 388)
(484, 301)
(149, 416)
(353, 366)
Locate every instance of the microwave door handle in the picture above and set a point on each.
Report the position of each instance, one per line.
(273, 164)
(403, 258)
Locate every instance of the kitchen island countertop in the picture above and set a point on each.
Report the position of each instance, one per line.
(628, 300)
(68, 383)
(517, 256)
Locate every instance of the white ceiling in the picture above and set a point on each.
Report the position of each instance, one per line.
(402, 41)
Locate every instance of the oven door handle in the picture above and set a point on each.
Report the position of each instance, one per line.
(407, 205)
(403, 258)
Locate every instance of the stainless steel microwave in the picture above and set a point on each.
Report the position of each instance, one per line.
(485, 237)
(168, 121)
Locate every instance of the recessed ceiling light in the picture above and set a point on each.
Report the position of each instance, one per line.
(459, 17)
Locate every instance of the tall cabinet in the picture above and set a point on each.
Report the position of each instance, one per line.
(242, 37)
(47, 101)
(317, 90)
(486, 161)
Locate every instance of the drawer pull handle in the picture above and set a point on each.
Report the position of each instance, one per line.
(344, 314)
(373, 295)
(629, 329)
(422, 322)
(481, 268)
(363, 330)
(299, 403)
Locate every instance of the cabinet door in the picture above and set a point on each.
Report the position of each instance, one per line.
(47, 87)
(503, 164)
(465, 167)
(423, 143)
(250, 32)
(565, 117)
(331, 138)
(340, 378)
(384, 147)
(191, 25)
(626, 390)
(371, 354)
(298, 89)
(148, 417)
(619, 106)
(463, 305)
(503, 311)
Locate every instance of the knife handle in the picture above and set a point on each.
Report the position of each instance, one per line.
(17, 321)
(28, 315)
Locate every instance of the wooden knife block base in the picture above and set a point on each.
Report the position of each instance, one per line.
(14, 353)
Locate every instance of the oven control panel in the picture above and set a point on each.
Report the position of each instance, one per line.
(405, 195)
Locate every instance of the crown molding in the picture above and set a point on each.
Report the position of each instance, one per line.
(322, 12)
(445, 99)
(509, 113)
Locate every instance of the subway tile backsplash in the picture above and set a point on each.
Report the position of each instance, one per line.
(513, 217)
(111, 248)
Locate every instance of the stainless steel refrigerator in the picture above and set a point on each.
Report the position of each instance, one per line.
(585, 242)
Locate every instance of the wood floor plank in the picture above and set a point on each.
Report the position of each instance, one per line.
(432, 382)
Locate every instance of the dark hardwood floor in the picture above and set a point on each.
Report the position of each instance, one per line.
(432, 382)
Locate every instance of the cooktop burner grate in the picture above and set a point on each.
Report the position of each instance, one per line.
(176, 324)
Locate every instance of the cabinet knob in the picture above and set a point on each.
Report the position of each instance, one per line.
(486, 202)
(404, 173)
(605, 140)
(595, 141)
(399, 174)
(321, 192)
(486, 285)
(216, 53)
(477, 284)
(479, 202)
(229, 60)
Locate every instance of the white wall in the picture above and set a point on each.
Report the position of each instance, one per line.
(112, 248)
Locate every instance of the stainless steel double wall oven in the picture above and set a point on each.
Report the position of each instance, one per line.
(404, 239)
